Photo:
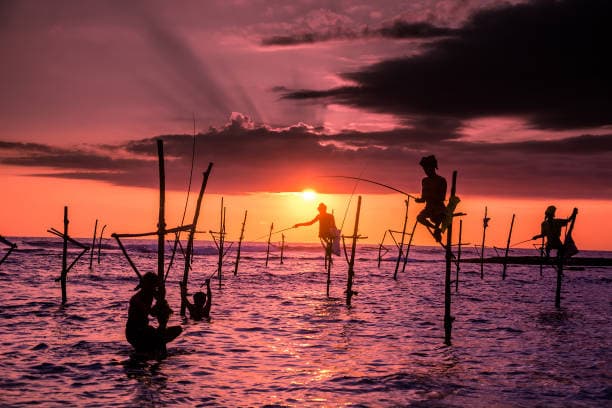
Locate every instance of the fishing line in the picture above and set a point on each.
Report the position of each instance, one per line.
(351, 197)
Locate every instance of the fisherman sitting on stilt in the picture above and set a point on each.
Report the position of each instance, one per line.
(551, 230)
(433, 194)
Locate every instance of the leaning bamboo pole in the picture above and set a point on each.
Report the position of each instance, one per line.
(161, 223)
(11, 248)
(351, 271)
(282, 248)
(409, 245)
(505, 264)
(189, 250)
(381, 247)
(448, 319)
(268, 248)
(100, 243)
(240, 244)
(93, 245)
(401, 244)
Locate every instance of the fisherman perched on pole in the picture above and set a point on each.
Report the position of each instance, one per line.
(551, 230)
(433, 194)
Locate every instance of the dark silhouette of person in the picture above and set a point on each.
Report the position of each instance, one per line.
(142, 336)
(327, 223)
(327, 229)
(433, 194)
(200, 308)
(551, 230)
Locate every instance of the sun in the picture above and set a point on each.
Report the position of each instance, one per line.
(309, 194)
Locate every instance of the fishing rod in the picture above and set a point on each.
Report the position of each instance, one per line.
(275, 232)
(522, 242)
(374, 182)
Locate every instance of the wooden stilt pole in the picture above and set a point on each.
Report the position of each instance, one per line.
(380, 248)
(282, 248)
(93, 245)
(134, 268)
(161, 223)
(458, 256)
(328, 264)
(408, 246)
(542, 257)
(100, 243)
(505, 264)
(401, 245)
(561, 259)
(11, 248)
(351, 272)
(485, 224)
(64, 257)
(221, 239)
(189, 249)
(268, 248)
(448, 318)
(240, 244)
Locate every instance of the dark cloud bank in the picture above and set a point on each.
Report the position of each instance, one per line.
(264, 159)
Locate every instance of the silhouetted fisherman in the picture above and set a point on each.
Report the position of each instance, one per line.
(327, 226)
(433, 194)
(144, 337)
(551, 230)
(200, 308)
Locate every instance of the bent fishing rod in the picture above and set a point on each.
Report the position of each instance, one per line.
(374, 182)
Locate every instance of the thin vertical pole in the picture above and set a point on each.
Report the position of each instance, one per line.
(380, 247)
(100, 243)
(192, 231)
(240, 244)
(507, 248)
(64, 257)
(268, 248)
(328, 263)
(409, 245)
(458, 256)
(282, 248)
(93, 245)
(221, 238)
(448, 319)
(401, 245)
(351, 272)
(485, 224)
(161, 224)
(542, 257)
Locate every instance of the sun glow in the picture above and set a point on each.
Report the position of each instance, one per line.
(309, 195)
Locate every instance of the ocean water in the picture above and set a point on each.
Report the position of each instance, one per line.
(275, 339)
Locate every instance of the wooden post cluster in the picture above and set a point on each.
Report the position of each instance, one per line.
(401, 244)
(65, 267)
(351, 261)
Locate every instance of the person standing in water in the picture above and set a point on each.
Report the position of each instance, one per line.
(142, 336)
(433, 194)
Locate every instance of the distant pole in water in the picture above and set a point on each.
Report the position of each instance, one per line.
(282, 248)
(93, 245)
(485, 224)
(505, 265)
(380, 248)
(542, 257)
(448, 318)
(268, 248)
(351, 272)
(64, 256)
(161, 223)
(189, 250)
(100, 243)
(458, 256)
(221, 242)
(408, 246)
(401, 245)
(240, 244)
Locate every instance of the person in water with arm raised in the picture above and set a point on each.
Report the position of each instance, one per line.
(200, 308)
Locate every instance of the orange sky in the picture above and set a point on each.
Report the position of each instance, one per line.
(31, 205)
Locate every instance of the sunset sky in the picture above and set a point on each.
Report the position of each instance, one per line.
(514, 95)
